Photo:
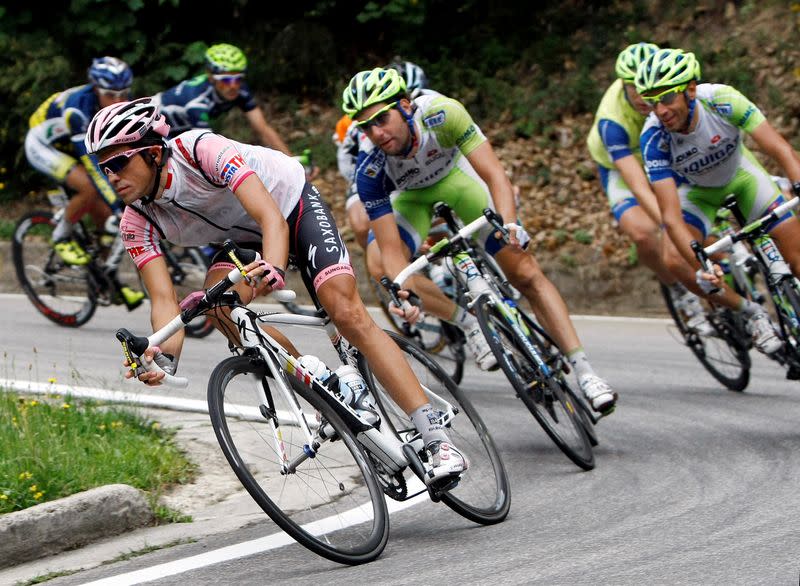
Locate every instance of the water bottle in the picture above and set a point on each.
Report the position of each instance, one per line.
(775, 263)
(315, 367)
(469, 274)
(355, 393)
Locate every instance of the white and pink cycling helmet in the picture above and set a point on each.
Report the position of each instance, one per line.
(135, 123)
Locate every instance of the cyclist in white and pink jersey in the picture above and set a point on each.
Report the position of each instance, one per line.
(201, 188)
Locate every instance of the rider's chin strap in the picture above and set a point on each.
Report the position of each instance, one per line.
(166, 152)
(411, 127)
(692, 102)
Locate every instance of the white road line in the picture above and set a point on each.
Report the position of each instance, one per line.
(253, 547)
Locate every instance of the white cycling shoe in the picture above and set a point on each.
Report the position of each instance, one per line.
(480, 349)
(691, 307)
(765, 338)
(598, 393)
(447, 463)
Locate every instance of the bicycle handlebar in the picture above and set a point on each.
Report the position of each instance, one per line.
(726, 242)
(134, 347)
(489, 217)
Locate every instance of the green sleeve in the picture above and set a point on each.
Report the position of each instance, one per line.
(453, 125)
(736, 108)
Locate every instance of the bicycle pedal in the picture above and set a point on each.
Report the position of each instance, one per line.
(443, 485)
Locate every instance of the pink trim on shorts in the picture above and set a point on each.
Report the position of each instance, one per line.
(341, 268)
(228, 266)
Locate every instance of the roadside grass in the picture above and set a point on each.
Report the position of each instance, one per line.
(54, 447)
(6, 229)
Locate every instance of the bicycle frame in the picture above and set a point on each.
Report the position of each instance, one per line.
(378, 440)
(460, 244)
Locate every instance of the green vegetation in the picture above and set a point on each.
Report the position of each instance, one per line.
(50, 449)
(520, 64)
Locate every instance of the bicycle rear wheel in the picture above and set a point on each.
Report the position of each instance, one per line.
(483, 493)
(543, 396)
(62, 293)
(787, 307)
(331, 502)
(723, 353)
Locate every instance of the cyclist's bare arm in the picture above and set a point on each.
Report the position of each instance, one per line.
(163, 307)
(260, 205)
(489, 168)
(266, 134)
(778, 148)
(633, 175)
(670, 206)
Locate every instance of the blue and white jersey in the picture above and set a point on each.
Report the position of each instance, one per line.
(195, 103)
(711, 153)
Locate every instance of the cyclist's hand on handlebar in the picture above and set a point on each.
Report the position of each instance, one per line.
(709, 282)
(517, 235)
(409, 312)
(264, 278)
(166, 362)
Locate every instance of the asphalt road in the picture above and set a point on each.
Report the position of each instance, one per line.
(694, 484)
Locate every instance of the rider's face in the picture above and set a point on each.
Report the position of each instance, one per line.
(228, 85)
(636, 100)
(386, 128)
(135, 179)
(673, 112)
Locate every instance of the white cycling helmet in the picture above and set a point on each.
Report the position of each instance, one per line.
(136, 123)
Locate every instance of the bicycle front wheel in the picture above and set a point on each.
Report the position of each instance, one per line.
(542, 395)
(62, 293)
(722, 352)
(483, 494)
(330, 501)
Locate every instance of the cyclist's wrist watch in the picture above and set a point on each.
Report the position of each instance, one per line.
(796, 188)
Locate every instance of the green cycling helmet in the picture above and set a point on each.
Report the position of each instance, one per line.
(667, 68)
(224, 58)
(372, 87)
(630, 58)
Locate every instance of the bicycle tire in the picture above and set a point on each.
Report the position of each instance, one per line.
(62, 293)
(556, 360)
(723, 354)
(483, 494)
(788, 312)
(552, 408)
(298, 502)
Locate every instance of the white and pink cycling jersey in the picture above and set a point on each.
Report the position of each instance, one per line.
(198, 205)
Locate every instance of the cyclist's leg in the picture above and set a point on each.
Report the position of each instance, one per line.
(331, 280)
(57, 165)
(699, 206)
(635, 223)
(524, 273)
(85, 199)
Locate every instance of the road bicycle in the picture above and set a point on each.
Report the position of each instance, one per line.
(316, 466)
(69, 295)
(527, 355)
(758, 272)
